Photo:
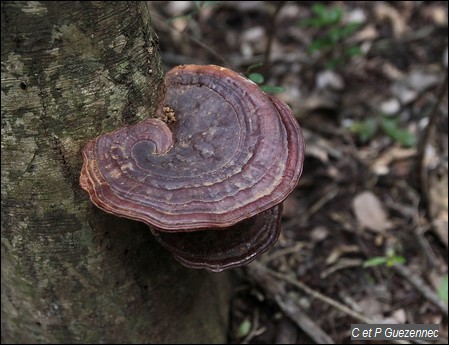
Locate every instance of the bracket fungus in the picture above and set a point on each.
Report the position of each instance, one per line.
(208, 174)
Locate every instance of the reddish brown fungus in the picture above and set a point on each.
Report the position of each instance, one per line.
(209, 182)
(237, 245)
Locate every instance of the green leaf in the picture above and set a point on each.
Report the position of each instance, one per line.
(342, 32)
(335, 35)
(335, 62)
(187, 17)
(348, 29)
(365, 129)
(353, 51)
(402, 136)
(256, 77)
(244, 328)
(389, 124)
(312, 22)
(395, 259)
(319, 10)
(319, 44)
(442, 289)
(272, 89)
(328, 16)
(323, 16)
(375, 261)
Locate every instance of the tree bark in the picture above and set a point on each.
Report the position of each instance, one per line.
(70, 272)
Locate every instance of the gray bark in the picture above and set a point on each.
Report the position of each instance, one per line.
(70, 272)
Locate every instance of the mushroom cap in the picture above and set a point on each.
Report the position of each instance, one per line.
(232, 152)
(216, 250)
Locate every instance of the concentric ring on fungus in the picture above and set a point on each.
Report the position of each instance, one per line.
(229, 152)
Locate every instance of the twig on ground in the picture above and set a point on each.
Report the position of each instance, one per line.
(418, 229)
(428, 134)
(303, 321)
(303, 287)
(275, 289)
(284, 251)
(422, 287)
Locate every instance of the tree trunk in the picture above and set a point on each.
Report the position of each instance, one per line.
(70, 272)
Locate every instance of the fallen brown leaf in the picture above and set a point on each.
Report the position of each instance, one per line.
(381, 165)
(385, 11)
(370, 213)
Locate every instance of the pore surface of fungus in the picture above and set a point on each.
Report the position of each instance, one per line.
(219, 152)
(224, 248)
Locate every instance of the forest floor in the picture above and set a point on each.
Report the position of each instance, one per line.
(365, 234)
